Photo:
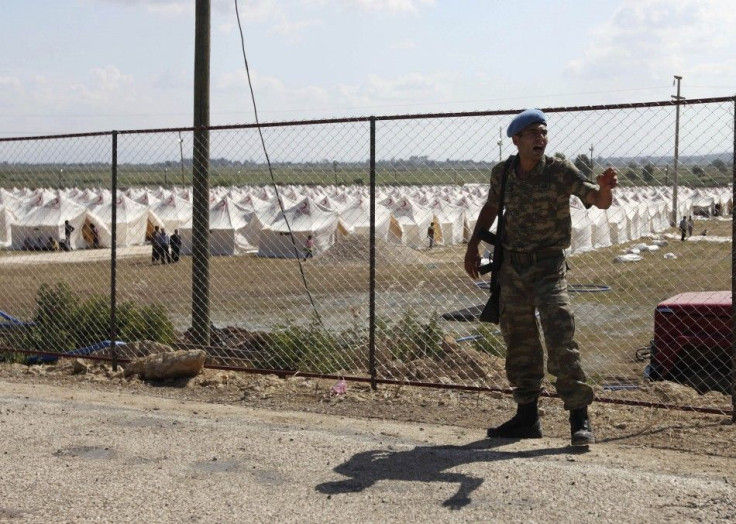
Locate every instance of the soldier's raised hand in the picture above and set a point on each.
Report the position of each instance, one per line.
(609, 178)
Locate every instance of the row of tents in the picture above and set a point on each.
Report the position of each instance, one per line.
(258, 219)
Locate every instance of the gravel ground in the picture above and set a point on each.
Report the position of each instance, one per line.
(227, 447)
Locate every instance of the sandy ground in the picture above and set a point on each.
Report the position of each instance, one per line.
(229, 447)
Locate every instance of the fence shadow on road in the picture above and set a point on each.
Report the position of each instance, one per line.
(429, 464)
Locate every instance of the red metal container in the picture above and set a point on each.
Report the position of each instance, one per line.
(692, 331)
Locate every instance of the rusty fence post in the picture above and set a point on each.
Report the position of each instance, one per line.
(372, 270)
(733, 273)
(113, 253)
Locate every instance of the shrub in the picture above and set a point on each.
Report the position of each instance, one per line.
(64, 322)
(409, 339)
(489, 342)
(54, 319)
(316, 349)
(307, 348)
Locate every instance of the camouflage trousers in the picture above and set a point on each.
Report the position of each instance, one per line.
(527, 285)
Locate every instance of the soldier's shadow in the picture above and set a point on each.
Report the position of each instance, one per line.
(428, 464)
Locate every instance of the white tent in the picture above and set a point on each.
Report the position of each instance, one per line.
(472, 206)
(449, 222)
(582, 230)
(228, 223)
(7, 218)
(304, 218)
(173, 211)
(659, 213)
(132, 219)
(410, 222)
(618, 223)
(356, 219)
(599, 226)
(724, 200)
(704, 205)
(633, 219)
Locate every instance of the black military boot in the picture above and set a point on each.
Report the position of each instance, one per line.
(525, 424)
(582, 433)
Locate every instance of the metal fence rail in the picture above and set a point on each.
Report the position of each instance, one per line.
(367, 296)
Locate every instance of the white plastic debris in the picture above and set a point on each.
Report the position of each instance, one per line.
(670, 256)
(340, 388)
(633, 251)
(627, 258)
(653, 247)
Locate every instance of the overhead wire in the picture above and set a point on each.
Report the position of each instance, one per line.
(270, 170)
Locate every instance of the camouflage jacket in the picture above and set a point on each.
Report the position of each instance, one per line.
(538, 207)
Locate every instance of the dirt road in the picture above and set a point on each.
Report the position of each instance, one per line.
(79, 455)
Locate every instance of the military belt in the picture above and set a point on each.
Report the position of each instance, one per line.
(528, 258)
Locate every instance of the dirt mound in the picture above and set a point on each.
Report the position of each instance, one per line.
(357, 249)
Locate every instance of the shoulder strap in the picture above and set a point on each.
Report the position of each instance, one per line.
(501, 196)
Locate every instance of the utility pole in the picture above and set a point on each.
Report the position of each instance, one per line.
(181, 157)
(592, 163)
(677, 98)
(200, 178)
(500, 144)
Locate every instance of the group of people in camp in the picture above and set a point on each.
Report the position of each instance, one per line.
(686, 226)
(52, 244)
(165, 248)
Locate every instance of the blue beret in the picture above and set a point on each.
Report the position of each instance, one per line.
(525, 118)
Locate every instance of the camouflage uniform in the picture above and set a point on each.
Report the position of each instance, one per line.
(537, 229)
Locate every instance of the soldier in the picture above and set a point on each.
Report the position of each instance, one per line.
(533, 275)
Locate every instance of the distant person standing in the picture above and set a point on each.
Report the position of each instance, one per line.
(155, 250)
(164, 246)
(175, 242)
(683, 229)
(690, 226)
(68, 230)
(309, 248)
(95, 236)
(430, 235)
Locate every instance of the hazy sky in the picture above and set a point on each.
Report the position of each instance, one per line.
(98, 65)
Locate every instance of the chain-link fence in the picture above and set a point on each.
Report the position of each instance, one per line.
(344, 255)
